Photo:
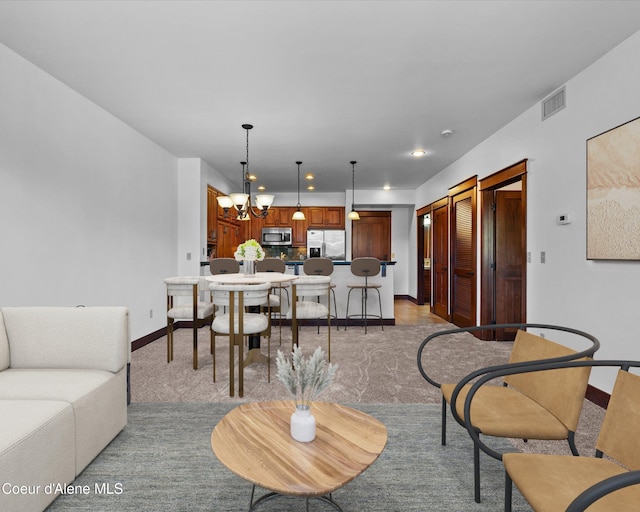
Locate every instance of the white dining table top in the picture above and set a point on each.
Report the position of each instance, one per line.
(257, 278)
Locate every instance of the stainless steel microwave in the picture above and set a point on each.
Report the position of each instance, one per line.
(276, 236)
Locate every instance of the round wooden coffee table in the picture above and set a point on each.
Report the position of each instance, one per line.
(253, 441)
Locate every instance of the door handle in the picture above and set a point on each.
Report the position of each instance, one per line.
(470, 274)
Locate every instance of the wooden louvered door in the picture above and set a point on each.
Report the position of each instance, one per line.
(463, 258)
(440, 258)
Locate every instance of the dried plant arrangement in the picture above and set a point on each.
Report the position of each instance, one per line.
(305, 378)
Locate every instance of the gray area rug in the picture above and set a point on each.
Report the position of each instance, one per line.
(163, 461)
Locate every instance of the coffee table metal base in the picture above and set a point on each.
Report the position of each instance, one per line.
(270, 495)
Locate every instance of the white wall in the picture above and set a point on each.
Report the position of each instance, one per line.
(87, 205)
(597, 296)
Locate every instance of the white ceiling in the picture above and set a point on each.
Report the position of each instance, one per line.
(324, 82)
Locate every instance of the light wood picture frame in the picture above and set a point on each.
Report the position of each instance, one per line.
(613, 193)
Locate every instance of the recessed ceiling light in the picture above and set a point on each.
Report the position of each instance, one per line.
(418, 152)
(261, 187)
(387, 187)
(253, 177)
(311, 187)
(446, 133)
(309, 177)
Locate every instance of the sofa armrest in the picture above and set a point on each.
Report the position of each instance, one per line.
(68, 337)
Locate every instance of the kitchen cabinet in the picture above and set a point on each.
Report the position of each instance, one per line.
(329, 217)
(299, 229)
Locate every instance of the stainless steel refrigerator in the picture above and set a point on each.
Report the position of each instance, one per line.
(326, 243)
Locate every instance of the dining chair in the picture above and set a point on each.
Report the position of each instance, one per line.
(311, 286)
(608, 481)
(200, 313)
(542, 406)
(237, 323)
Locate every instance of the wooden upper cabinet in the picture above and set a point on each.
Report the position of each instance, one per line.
(334, 217)
(329, 217)
(284, 214)
(316, 216)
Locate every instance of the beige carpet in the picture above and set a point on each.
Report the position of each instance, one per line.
(379, 367)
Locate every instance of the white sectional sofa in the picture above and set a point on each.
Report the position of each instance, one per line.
(63, 396)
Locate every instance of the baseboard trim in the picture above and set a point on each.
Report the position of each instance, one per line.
(597, 396)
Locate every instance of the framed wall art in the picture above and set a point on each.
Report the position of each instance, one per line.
(613, 193)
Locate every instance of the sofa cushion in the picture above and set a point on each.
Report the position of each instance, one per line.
(99, 401)
(37, 447)
(59, 337)
(4, 346)
(65, 385)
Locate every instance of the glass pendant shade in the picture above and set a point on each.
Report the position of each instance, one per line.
(225, 201)
(239, 200)
(264, 200)
(353, 215)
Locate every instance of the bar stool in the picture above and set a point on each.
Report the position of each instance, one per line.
(200, 313)
(275, 297)
(364, 267)
(322, 267)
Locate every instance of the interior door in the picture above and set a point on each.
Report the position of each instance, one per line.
(509, 257)
(371, 235)
(463, 258)
(440, 259)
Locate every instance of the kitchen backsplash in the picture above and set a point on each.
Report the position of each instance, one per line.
(285, 253)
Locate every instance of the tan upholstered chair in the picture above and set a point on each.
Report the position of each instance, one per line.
(312, 286)
(364, 267)
(540, 406)
(195, 310)
(322, 267)
(565, 483)
(236, 323)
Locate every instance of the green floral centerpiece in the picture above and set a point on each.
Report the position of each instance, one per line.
(305, 379)
(249, 251)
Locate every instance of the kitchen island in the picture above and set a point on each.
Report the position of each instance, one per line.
(340, 277)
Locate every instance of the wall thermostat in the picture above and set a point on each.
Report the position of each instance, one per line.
(564, 218)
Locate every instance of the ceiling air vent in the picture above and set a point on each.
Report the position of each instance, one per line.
(554, 103)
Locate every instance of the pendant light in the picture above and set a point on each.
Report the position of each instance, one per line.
(353, 214)
(298, 214)
(242, 200)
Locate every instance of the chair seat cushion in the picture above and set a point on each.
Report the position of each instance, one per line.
(253, 324)
(504, 412)
(185, 311)
(551, 482)
(308, 309)
(274, 301)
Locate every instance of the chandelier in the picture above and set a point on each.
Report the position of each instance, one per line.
(353, 214)
(242, 200)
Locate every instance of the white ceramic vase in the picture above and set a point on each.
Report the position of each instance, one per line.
(249, 267)
(303, 424)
